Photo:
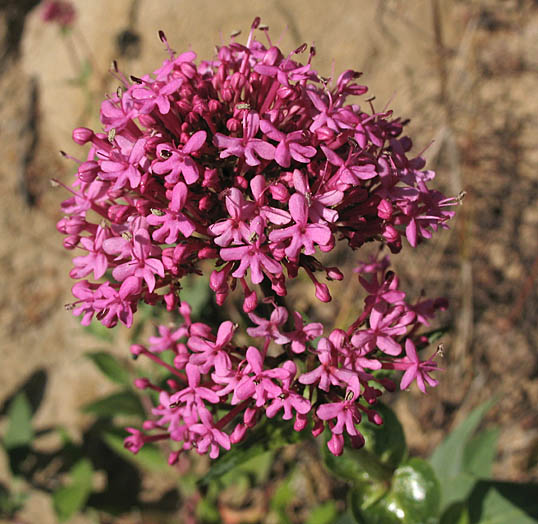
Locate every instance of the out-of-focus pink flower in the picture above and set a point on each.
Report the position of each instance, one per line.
(59, 11)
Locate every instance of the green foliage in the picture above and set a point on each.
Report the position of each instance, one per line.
(110, 367)
(19, 431)
(72, 498)
(457, 476)
(412, 497)
(150, 457)
(121, 403)
(387, 441)
(267, 436)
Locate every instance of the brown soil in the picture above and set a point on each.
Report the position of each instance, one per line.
(466, 77)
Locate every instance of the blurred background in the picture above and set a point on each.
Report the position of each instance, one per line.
(465, 72)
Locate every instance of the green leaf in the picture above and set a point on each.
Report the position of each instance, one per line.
(269, 435)
(122, 403)
(150, 457)
(323, 514)
(412, 498)
(387, 441)
(480, 451)
(196, 292)
(456, 514)
(110, 367)
(97, 330)
(19, 431)
(70, 499)
(493, 502)
(448, 458)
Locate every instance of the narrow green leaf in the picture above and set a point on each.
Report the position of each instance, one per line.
(19, 431)
(456, 514)
(71, 498)
(493, 502)
(122, 403)
(448, 458)
(150, 457)
(110, 367)
(480, 451)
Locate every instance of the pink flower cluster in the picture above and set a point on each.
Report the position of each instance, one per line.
(254, 163)
(300, 374)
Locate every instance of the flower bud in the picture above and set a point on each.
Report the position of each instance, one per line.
(82, 135)
(71, 242)
(142, 383)
(384, 210)
(322, 292)
(171, 301)
(333, 273)
(238, 434)
(250, 302)
(390, 234)
(233, 125)
(206, 203)
(87, 171)
(137, 350)
(324, 134)
(336, 444)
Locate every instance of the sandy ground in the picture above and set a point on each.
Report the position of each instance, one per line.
(469, 82)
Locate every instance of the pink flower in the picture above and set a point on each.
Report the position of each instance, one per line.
(62, 12)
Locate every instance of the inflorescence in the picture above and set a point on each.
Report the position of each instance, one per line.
(253, 162)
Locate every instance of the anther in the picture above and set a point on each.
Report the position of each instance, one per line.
(243, 105)
(349, 396)
(165, 153)
(235, 33)
(111, 135)
(157, 212)
(460, 197)
(127, 235)
(136, 79)
(69, 307)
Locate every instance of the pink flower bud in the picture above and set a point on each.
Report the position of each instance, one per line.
(300, 422)
(118, 213)
(233, 125)
(207, 252)
(87, 171)
(137, 350)
(238, 434)
(142, 383)
(206, 203)
(385, 210)
(334, 273)
(318, 428)
(71, 242)
(250, 302)
(324, 134)
(82, 135)
(390, 234)
(171, 301)
(336, 444)
(322, 292)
